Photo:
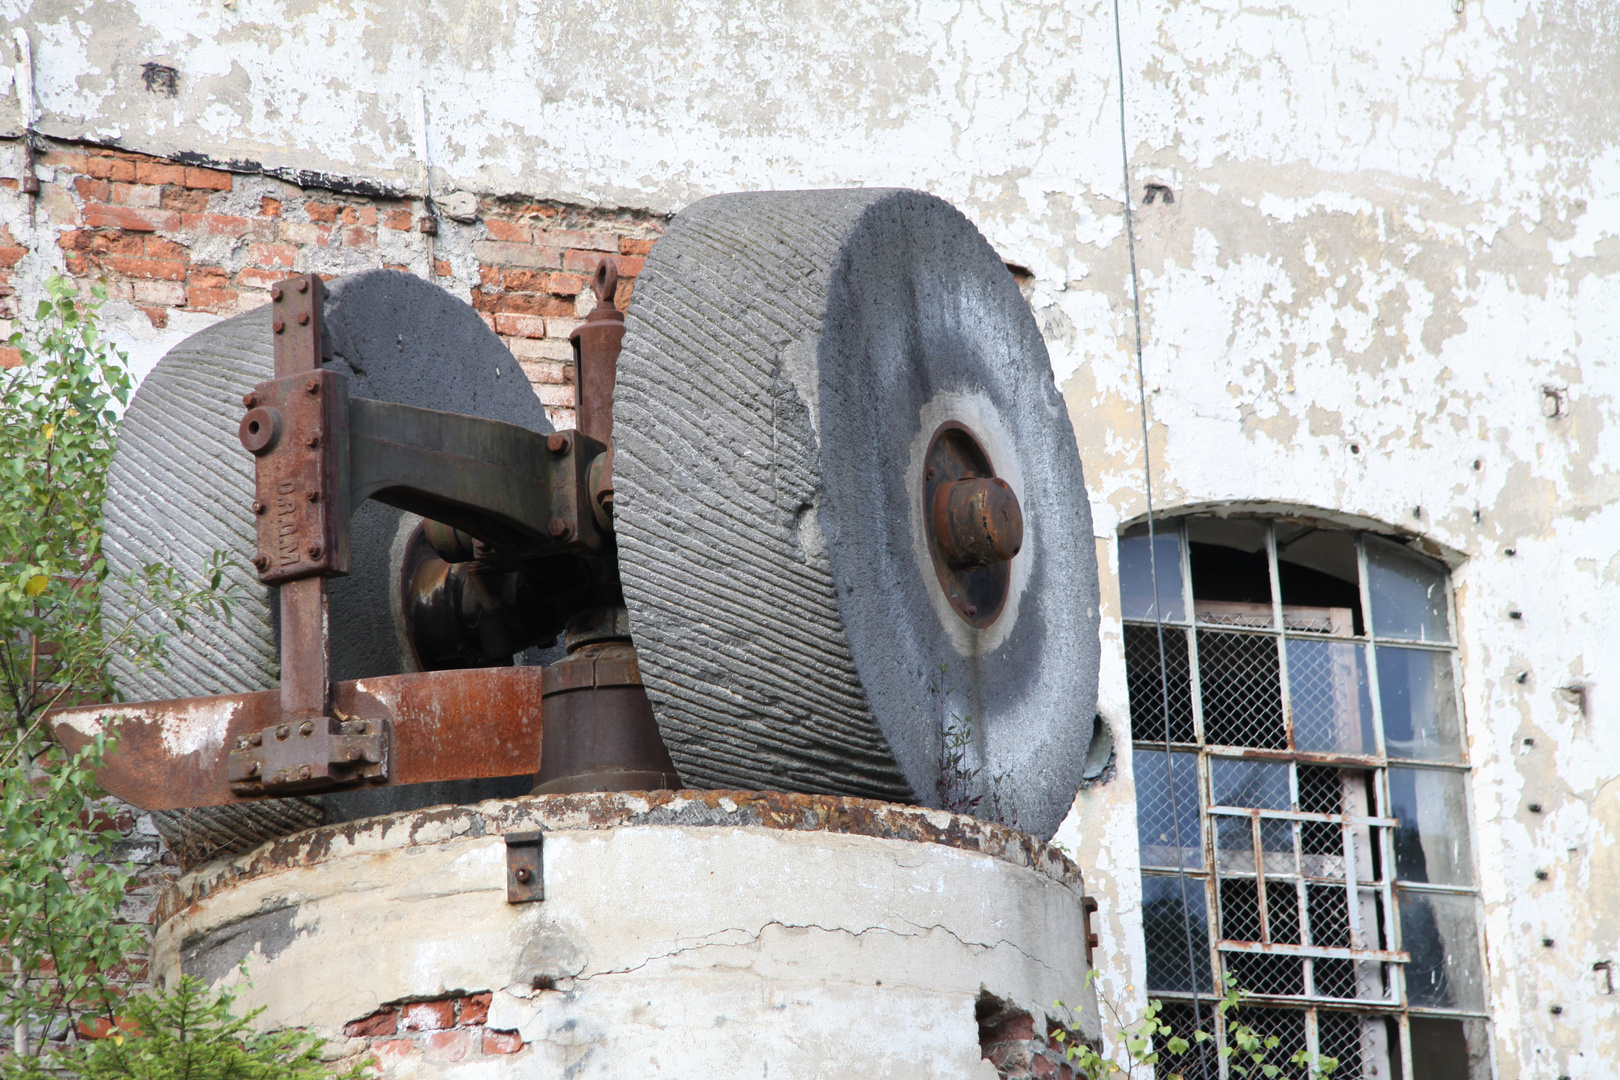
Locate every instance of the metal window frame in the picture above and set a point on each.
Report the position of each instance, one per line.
(1381, 824)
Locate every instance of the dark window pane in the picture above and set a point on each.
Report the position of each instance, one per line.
(1331, 697)
(1259, 785)
(1165, 925)
(1408, 594)
(1138, 564)
(1145, 684)
(1444, 1048)
(1418, 697)
(1438, 930)
(1431, 842)
(1317, 570)
(1242, 699)
(1160, 829)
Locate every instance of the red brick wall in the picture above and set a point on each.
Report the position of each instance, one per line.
(443, 1030)
(171, 238)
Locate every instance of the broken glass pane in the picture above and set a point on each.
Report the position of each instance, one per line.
(1261, 785)
(1330, 696)
(1138, 564)
(1439, 931)
(1174, 963)
(1157, 831)
(1320, 582)
(1418, 696)
(1447, 1048)
(1231, 573)
(1408, 594)
(1431, 842)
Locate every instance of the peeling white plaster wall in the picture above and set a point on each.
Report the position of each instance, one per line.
(1395, 225)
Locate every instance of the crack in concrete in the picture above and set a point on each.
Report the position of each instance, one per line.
(752, 937)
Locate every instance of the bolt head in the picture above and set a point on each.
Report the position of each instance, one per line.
(353, 755)
(314, 551)
(256, 739)
(303, 285)
(250, 399)
(280, 777)
(313, 441)
(306, 728)
(559, 527)
(970, 610)
(275, 292)
(253, 768)
(303, 772)
(282, 732)
(278, 326)
(523, 874)
(313, 385)
(261, 562)
(303, 318)
(258, 507)
(557, 443)
(312, 495)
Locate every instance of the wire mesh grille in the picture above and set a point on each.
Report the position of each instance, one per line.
(1165, 926)
(1163, 824)
(1288, 1025)
(1335, 978)
(1330, 916)
(1240, 910)
(1267, 974)
(1321, 790)
(1282, 911)
(1359, 1044)
(1146, 689)
(1241, 695)
(1201, 1061)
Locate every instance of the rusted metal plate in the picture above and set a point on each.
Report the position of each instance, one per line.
(446, 725)
(525, 867)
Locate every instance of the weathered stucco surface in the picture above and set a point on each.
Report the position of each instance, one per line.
(696, 946)
(1387, 289)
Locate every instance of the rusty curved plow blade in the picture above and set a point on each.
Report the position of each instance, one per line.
(439, 725)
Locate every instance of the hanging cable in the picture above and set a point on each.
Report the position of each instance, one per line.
(1153, 554)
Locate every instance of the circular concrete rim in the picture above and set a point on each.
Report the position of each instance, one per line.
(774, 810)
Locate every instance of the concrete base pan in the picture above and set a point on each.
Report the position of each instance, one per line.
(703, 934)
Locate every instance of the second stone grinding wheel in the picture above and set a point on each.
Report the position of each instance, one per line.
(181, 483)
(801, 372)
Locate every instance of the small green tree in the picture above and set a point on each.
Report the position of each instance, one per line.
(66, 948)
(1149, 1042)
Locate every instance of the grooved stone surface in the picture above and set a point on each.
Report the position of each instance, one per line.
(788, 356)
(181, 485)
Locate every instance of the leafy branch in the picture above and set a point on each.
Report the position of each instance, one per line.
(1150, 1041)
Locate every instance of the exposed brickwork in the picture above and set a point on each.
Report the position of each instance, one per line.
(1008, 1040)
(169, 237)
(446, 1029)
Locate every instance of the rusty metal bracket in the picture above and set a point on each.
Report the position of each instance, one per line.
(309, 755)
(1090, 905)
(297, 429)
(525, 867)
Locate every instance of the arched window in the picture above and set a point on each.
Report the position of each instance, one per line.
(1301, 784)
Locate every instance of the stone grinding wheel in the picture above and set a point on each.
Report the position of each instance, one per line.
(788, 359)
(181, 484)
